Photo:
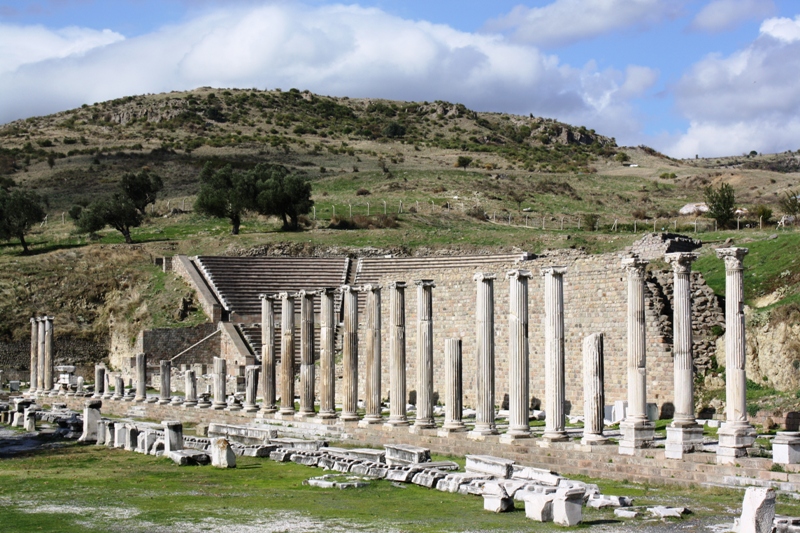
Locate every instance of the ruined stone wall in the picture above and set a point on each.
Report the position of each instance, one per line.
(595, 289)
(166, 343)
(66, 350)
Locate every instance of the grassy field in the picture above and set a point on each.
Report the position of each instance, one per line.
(86, 488)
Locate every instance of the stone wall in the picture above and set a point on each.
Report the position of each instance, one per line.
(66, 350)
(166, 343)
(655, 245)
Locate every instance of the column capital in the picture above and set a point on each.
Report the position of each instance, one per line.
(270, 297)
(733, 257)
(681, 261)
(634, 265)
(519, 273)
(424, 283)
(33, 320)
(328, 291)
(484, 276)
(303, 293)
(397, 285)
(370, 287)
(554, 271)
(253, 368)
(347, 288)
(285, 296)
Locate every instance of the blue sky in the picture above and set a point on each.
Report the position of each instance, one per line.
(707, 77)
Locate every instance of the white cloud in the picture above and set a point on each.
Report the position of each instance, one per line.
(338, 50)
(22, 45)
(567, 21)
(721, 15)
(746, 101)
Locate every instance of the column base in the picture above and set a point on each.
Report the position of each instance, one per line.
(683, 439)
(512, 437)
(203, 405)
(594, 439)
(396, 423)
(450, 429)
(218, 406)
(349, 417)
(425, 423)
(368, 421)
(480, 433)
(250, 408)
(176, 402)
(635, 434)
(268, 411)
(284, 415)
(164, 401)
(326, 416)
(152, 400)
(304, 415)
(555, 435)
(190, 403)
(734, 439)
(422, 430)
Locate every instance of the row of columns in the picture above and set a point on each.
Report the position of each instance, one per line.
(41, 367)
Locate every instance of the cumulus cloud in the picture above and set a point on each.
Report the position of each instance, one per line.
(567, 21)
(747, 100)
(338, 50)
(22, 45)
(721, 15)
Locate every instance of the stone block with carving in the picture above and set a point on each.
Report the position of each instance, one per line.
(222, 455)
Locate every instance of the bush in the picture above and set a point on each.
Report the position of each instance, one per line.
(639, 214)
(721, 203)
(668, 176)
(362, 192)
(476, 212)
(763, 213)
(590, 220)
(622, 157)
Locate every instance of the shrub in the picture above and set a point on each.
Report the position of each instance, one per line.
(362, 192)
(622, 157)
(476, 212)
(639, 214)
(721, 203)
(590, 220)
(763, 213)
(668, 176)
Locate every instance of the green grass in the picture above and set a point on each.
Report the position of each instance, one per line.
(79, 488)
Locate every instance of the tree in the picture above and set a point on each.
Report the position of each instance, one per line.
(518, 197)
(721, 203)
(790, 203)
(226, 194)
(119, 212)
(282, 194)
(463, 162)
(622, 157)
(19, 210)
(141, 189)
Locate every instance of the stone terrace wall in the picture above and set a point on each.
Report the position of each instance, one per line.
(166, 343)
(595, 300)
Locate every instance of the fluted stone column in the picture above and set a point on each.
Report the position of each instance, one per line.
(372, 402)
(42, 358)
(518, 355)
(306, 354)
(327, 355)
(593, 390)
(684, 434)
(736, 433)
(251, 388)
(453, 378)
(48, 356)
(268, 364)
(484, 335)
(287, 355)
(99, 381)
(636, 430)
(350, 355)
(141, 378)
(554, 353)
(119, 388)
(190, 389)
(34, 355)
(397, 355)
(424, 419)
(165, 395)
(220, 376)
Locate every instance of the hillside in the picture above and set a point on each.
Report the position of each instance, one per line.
(532, 184)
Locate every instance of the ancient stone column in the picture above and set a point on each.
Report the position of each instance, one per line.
(190, 389)
(107, 394)
(397, 355)
(119, 388)
(327, 355)
(42, 358)
(306, 353)
(736, 433)
(48, 356)
(637, 431)
(453, 406)
(518, 355)
(34, 355)
(99, 381)
(372, 402)
(554, 353)
(220, 376)
(251, 388)
(350, 354)
(165, 395)
(268, 364)
(484, 335)
(424, 418)
(593, 390)
(141, 378)
(91, 415)
(287, 355)
(684, 434)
